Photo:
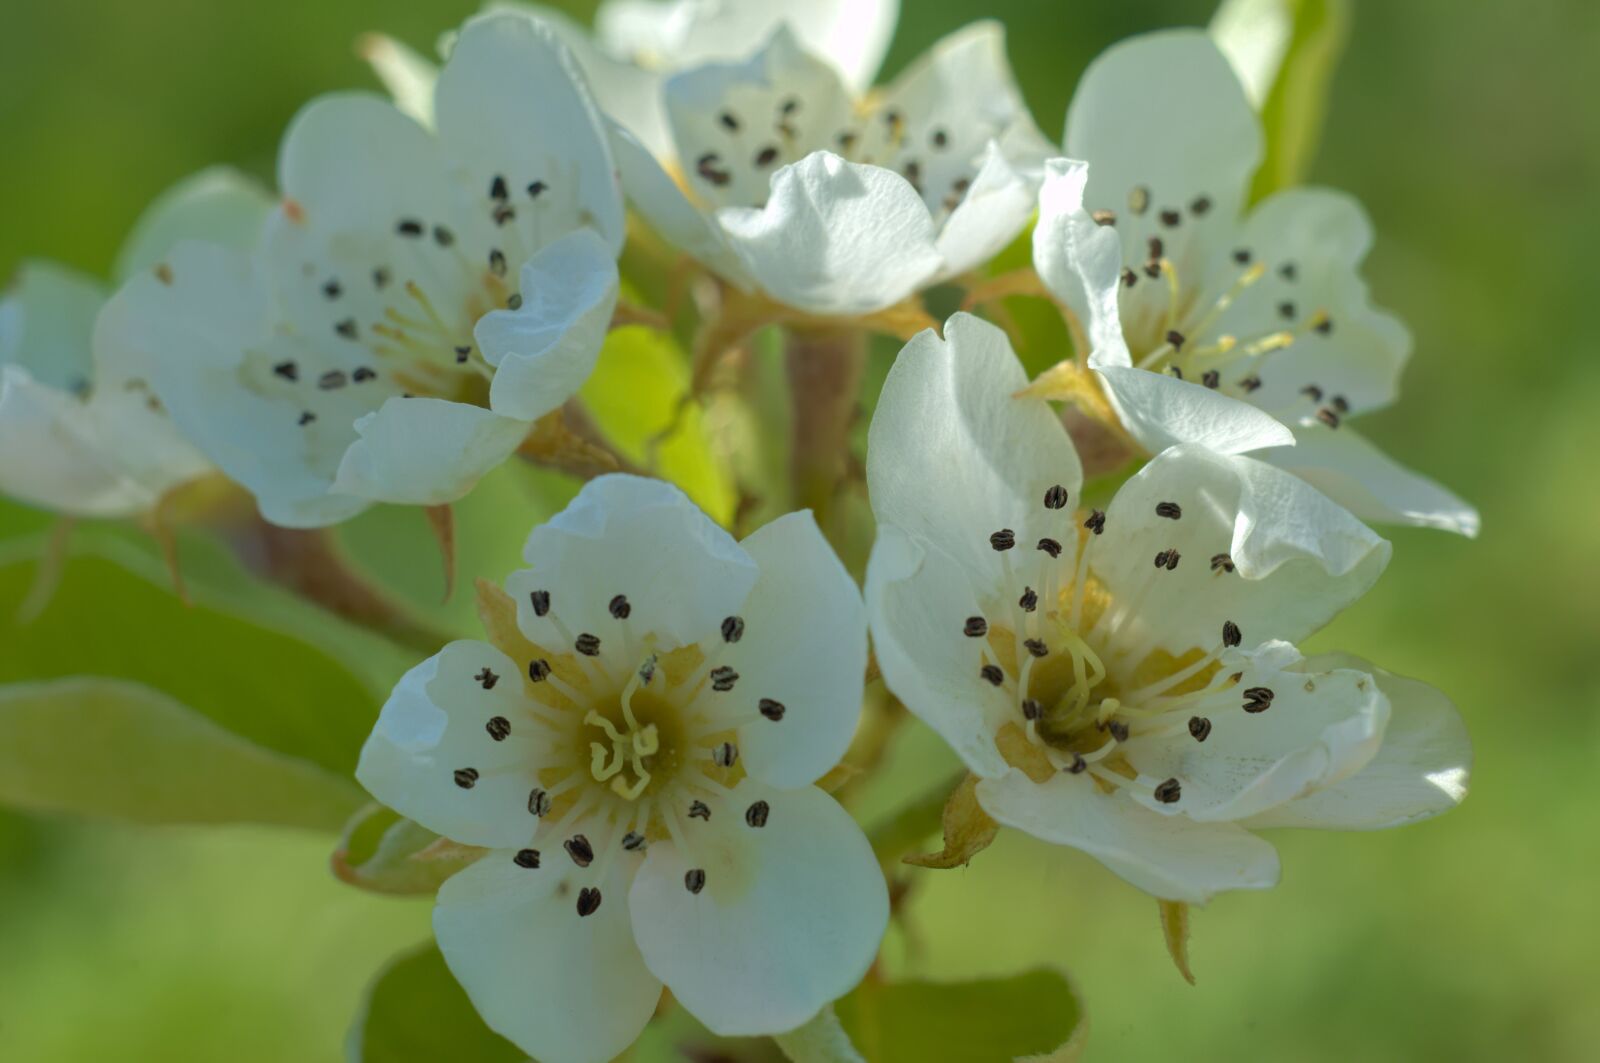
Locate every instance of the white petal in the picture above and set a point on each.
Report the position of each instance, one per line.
(1299, 558)
(836, 237)
(1323, 727)
(1363, 479)
(1321, 236)
(681, 573)
(1164, 111)
(1170, 857)
(435, 724)
(1162, 411)
(49, 454)
(46, 321)
(916, 598)
(545, 349)
(1421, 769)
(736, 123)
(804, 645)
(953, 457)
(564, 988)
(409, 77)
(511, 102)
(219, 205)
(1080, 261)
(996, 207)
(1254, 35)
(425, 452)
(789, 917)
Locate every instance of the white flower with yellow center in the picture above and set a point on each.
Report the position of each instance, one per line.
(1125, 682)
(637, 750)
(82, 431)
(1210, 322)
(421, 296)
(833, 203)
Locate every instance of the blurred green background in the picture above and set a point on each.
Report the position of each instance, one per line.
(1470, 938)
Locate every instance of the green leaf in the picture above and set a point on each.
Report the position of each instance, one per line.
(415, 1010)
(1285, 52)
(634, 394)
(250, 658)
(384, 852)
(113, 748)
(1034, 1017)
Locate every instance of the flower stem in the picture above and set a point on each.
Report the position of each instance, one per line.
(825, 367)
(822, 1040)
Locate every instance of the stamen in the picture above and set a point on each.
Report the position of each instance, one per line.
(1169, 510)
(499, 728)
(588, 901)
(1199, 728)
(486, 678)
(526, 858)
(619, 607)
(1004, 539)
(771, 709)
(756, 814)
(1168, 792)
(466, 778)
(579, 849)
(732, 629)
(976, 627)
(694, 880)
(1055, 497)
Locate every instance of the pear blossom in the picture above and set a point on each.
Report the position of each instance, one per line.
(1126, 681)
(81, 430)
(791, 185)
(1210, 320)
(420, 295)
(636, 748)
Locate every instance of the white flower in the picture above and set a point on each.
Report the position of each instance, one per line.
(637, 751)
(420, 296)
(1210, 322)
(838, 205)
(81, 430)
(1126, 682)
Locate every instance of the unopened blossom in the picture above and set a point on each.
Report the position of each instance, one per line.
(1213, 321)
(790, 184)
(636, 746)
(1126, 681)
(82, 431)
(420, 297)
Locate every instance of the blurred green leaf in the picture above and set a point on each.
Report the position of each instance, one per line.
(229, 657)
(633, 395)
(112, 748)
(384, 852)
(1285, 52)
(1034, 1017)
(416, 1011)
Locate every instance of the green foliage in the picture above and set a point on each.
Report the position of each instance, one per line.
(384, 852)
(415, 1010)
(116, 749)
(1036, 1015)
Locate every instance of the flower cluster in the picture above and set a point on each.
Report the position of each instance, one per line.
(648, 761)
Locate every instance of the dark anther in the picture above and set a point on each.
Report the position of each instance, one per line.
(694, 880)
(539, 802)
(1167, 559)
(729, 121)
(1221, 563)
(1199, 728)
(993, 674)
(756, 815)
(306, 417)
(976, 627)
(462, 354)
(706, 167)
(846, 140)
(587, 644)
(332, 289)
(588, 900)
(1029, 600)
(539, 670)
(724, 755)
(941, 140)
(1340, 403)
(1004, 539)
(1036, 647)
(723, 678)
(380, 278)
(1175, 372)
(619, 607)
(497, 262)
(1050, 546)
(347, 328)
(1170, 218)
(1324, 325)
(504, 213)
(363, 374)
(700, 810)
(1257, 699)
(1200, 204)
(1231, 635)
(1168, 792)
(1152, 269)
(333, 378)
(498, 727)
(1118, 729)
(1096, 522)
(1031, 709)
(1055, 498)
(1242, 256)
(442, 236)
(732, 629)
(541, 602)
(1156, 247)
(579, 849)
(486, 678)
(633, 841)
(1078, 765)
(1104, 217)
(514, 301)
(771, 709)
(1211, 379)
(1170, 510)
(1250, 383)
(466, 778)
(528, 858)
(409, 227)
(767, 155)
(288, 370)
(1129, 277)
(1286, 309)
(1312, 392)
(536, 189)
(497, 188)
(1328, 416)
(1287, 271)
